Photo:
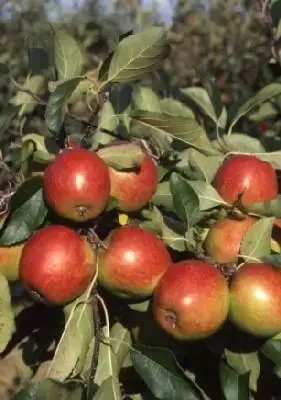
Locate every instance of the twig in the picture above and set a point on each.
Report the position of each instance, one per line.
(27, 91)
(98, 338)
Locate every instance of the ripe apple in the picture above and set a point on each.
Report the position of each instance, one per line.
(134, 189)
(191, 301)
(133, 263)
(57, 264)
(255, 300)
(77, 185)
(9, 261)
(224, 238)
(246, 178)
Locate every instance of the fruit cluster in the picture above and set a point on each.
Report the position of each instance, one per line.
(191, 299)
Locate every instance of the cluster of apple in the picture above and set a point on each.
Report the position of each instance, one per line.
(191, 299)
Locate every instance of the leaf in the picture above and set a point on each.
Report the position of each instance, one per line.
(234, 386)
(7, 325)
(144, 98)
(68, 56)
(39, 150)
(199, 96)
(54, 113)
(157, 224)
(163, 196)
(268, 208)
(265, 111)
(4, 69)
(257, 241)
(273, 259)
(161, 373)
(274, 158)
(109, 389)
(71, 351)
(28, 212)
(120, 97)
(243, 363)
(266, 93)
(207, 194)
(122, 156)
(206, 165)
(185, 200)
(121, 342)
(108, 119)
(50, 389)
(157, 126)
(240, 142)
(38, 60)
(173, 107)
(138, 54)
(6, 117)
(27, 102)
(272, 349)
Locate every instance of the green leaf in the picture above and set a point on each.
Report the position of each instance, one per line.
(272, 349)
(49, 389)
(109, 389)
(243, 363)
(274, 158)
(4, 69)
(157, 223)
(163, 196)
(7, 325)
(206, 165)
(71, 351)
(165, 128)
(269, 208)
(108, 119)
(161, 373)
(257, 241)
(265, 111)
(273, 259)
(173, 107)
(240, 142)
(199, 96)
(144, 98)
(39, 150)
(28, 212)
(120, 342)
(27, 102)
(185, 200)
(6, 117)
(207, 194)
(38, 60)
(122, 156)
(266, 93)
(138, 54)
(55, 109)
(234, 386)
(68, 56)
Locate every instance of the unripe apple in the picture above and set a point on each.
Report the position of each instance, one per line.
(134, 189)
(255, 299)
(9, 261)
(224, 238)
(133, 263)
(77, 185)
(191, 301)
(57, 264)
(246, 178)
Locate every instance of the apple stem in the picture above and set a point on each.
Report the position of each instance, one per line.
(95, 240)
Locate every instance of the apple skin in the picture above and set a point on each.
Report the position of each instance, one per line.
(133, 190)
(255, 300)
(191, 301)
(255, 180)
(9, 261)
(224, 238)
(133, 263)
(77, 184)
(57, 264)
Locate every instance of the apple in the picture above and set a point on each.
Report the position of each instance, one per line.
(9, 261)
(57, 264)
(255, 299)
(133, 189)
(246, 178)
(191, 301)
(77, 185)
(133, 263)
(224, 238)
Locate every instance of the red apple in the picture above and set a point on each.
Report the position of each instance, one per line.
(255, 299)
(133, 263)
(191, 301)
(77, 185)
(9, 261)
(134, 189)
(57, 264)
(248, 178)
(224, 238)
